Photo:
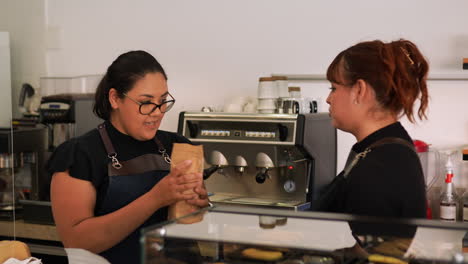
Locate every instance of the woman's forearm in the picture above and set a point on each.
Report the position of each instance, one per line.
(100, 233)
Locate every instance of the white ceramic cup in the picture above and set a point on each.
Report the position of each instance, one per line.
(250, 108)
(267, 103)
(282, 87)
(307, 105)
(240, 100)
(232, 108)
(267, 89)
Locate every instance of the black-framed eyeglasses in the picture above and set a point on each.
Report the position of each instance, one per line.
(146, 108)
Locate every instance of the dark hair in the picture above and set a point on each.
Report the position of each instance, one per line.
(397, 71)
(121, 75)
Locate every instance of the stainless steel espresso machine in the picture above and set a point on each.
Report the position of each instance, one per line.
(21, 162)
(67, 116)
(272, 160)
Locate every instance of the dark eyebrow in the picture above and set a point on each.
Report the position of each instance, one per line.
(150, 96)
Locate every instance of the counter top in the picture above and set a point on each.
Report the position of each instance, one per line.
(28, 230)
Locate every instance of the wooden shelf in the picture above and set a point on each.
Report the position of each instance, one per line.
(437, 76)
(449, 76)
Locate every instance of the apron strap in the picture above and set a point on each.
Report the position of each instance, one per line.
(113, 155)
(392, 140)
(162, 150)
(352, 161)
(109, 147)
(105, 138)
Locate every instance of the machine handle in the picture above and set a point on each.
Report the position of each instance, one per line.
(262, 175)
(207, 172)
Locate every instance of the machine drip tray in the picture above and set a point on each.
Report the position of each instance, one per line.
(256, 201)
(264, 201)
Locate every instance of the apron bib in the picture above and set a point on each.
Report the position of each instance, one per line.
(129, 180)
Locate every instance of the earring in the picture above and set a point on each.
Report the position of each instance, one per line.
(356, 102)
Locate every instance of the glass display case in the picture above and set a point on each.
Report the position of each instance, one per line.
(254, 235)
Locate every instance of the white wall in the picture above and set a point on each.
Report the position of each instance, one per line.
(25, 20)
(216, 49)
(5, 80)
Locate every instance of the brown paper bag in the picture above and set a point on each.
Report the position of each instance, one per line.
(181, 152)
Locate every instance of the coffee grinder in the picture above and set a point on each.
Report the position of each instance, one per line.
(67, 116)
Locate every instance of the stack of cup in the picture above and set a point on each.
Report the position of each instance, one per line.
(294, 92)
(281, 83)
(267, 95)
(283, 92)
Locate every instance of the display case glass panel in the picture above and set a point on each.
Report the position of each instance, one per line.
(254, 235)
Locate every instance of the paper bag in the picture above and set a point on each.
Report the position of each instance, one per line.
(181, 152)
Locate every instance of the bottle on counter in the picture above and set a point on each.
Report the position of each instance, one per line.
(465, 195)
(449, 200)
(465, 206)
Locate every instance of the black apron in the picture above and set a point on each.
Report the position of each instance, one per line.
(129, 180)
(331, 198)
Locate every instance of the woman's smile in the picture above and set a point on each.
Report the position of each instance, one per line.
(152, 124)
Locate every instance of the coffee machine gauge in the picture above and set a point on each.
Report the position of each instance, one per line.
(289, 186)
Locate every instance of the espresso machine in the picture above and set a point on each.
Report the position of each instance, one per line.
(22, 176)
(268, 160)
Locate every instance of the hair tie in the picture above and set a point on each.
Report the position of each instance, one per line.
(407, 55)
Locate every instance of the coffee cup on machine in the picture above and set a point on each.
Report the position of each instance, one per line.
(290, 106)
(308, 105)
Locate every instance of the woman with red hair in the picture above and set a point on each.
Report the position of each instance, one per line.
(373, 84)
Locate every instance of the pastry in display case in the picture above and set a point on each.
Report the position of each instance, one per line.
(230, 234)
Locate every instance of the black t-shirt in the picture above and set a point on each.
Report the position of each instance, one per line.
(388, 181)
(86, 158)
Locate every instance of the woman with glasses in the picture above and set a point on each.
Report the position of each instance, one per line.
(116, 179)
